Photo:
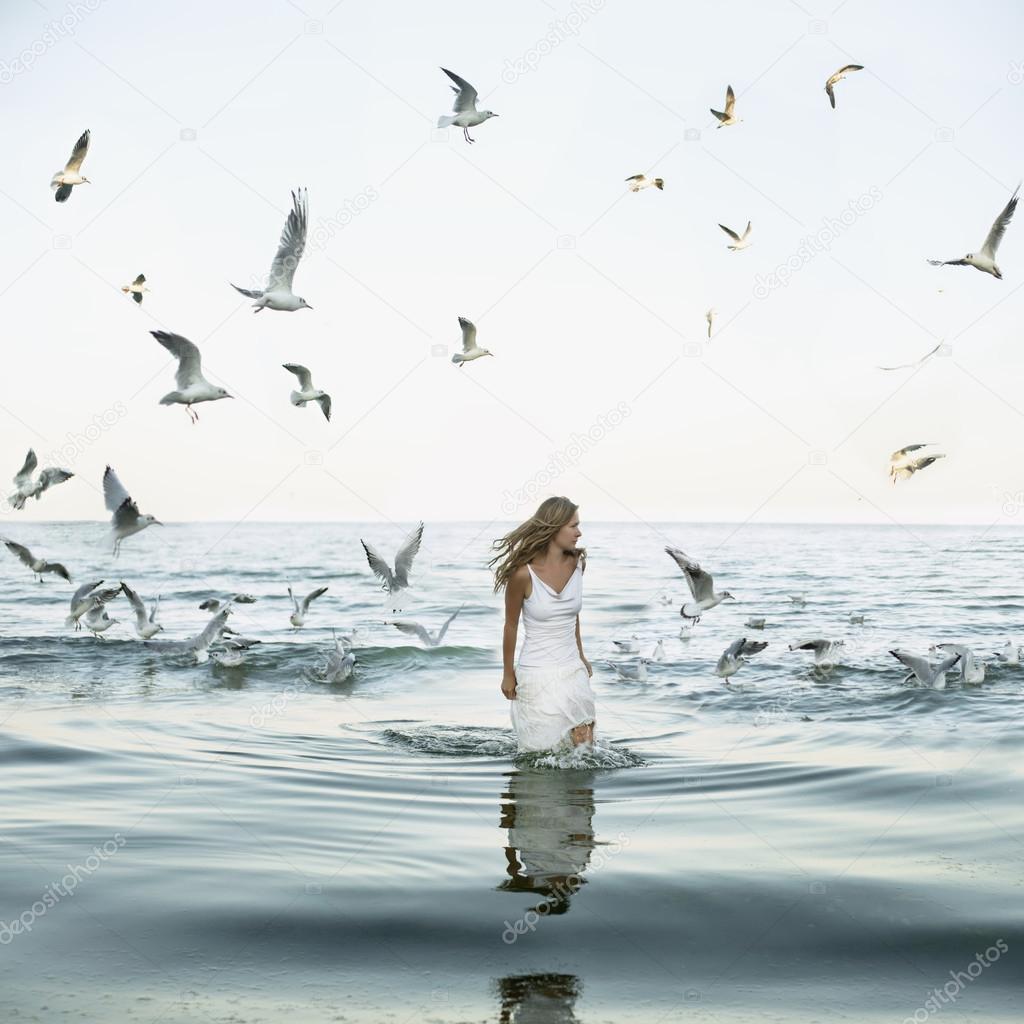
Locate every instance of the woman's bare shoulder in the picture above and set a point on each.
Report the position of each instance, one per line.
(520, 579)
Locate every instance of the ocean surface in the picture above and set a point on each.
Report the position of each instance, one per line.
(183, 842)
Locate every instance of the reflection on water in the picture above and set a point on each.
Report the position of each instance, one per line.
(538, 998)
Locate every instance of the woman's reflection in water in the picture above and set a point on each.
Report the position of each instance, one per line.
(549, 817)
(539, 998)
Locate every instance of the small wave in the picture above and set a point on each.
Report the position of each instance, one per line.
(454, 740)
(584, 756)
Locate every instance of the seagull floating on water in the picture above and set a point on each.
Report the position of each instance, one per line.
(278, 292)
(415, 629)
(395, 579)
(902, 467)
(340, 664)
(658, 654)
(1010, 654)
(701, 585)
(37, 565)
(635, 670)
(741, 241)
(630, 646)
(470, 349)
(298, 616)
(86, 598)
(136, 288)
(755, 623)
(464, 113)
(193, 387)
(838, 77)
(926, 673)
(735, 656)
(307, 392)
(728, 116)
(986, 259)
(145, 623)
(798, 599)
(639, 181)
(856, 619)
(972, 671)
(127, 519)
(826, 652)
(63, 181)
(26, 487)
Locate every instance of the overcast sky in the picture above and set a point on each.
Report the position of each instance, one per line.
(205, 116)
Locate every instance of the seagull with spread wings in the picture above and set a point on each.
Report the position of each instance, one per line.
(26, 487)
(136, 288)
(307, 392)
(986, 259)
(86, 599)
(639, 181)
(838, 77)
(64, 181)
(925, 672)
(127, 519)
(395, 579)
(902, 466)
(145, 623)
(298, 616)
(736, 655)
(727, 116)
(278, 292)
(470, 349)
(701, 584)
(193, 387)
(740, 242)
(37, 565)
(464, 113)
(430, 639)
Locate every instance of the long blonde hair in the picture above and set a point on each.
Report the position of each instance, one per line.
(531, 538)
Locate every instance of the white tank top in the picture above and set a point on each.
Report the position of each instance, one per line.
(549, 621)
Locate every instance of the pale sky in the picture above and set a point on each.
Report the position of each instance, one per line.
(205, 116)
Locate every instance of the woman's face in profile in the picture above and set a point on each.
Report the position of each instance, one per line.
(568, 536)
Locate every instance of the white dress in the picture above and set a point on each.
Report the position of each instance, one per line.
(553, 693)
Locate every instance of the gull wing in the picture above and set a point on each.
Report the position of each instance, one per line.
(59, 570)
(305, 377)
(406, 553)
(80, 593)
(947, 263)
(309, 598)
(212, 631)
(900, 452)
(468, 334)
(49, 477)
(465, 94)
(295, 604)
(139, 281)
(701, 583)
(733, 650)
(921, 667)
(155, 609)
(415, 629)
(810, 645)
(74, 163)
(118, 500)
(635, 177)
(136, 602)
(908, 366)
(24, 475)
(291, 246)
(380, 568)
(730, 101)
(729, 231)
(190, 369)
(998, 229)
(21, 551)
(831, 94)
(324, 401)
(747, 232)
(451, 618)
(752, 646)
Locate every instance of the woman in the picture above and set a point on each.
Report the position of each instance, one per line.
(541, 569)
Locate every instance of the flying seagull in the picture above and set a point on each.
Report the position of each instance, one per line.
(729, 115)
(212, 604)
(193, 387)
(26, 487)
(710, 317)
(926, 673)
(98, 621)
(397, 579)
(86, 598)
(145, 624)
(639, 181)
(200, 645)
(910, 366)
(826, 652)
(37, 565)
(470, 349)
(741, 243)
(464, 113)
(308, 392)
(278, 292)
(838, 77)
(701, 585)
(415, 629)
(63, 181)
(902, 466)
(986, 259)
(126, 519)
(735, 656)
(298, 616)
(136, 288)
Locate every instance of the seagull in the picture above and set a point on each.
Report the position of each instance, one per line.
(37, 565)
(636, 671)
(741, 242)
(87, 597)
(339, 665)
(126, 519)
(710, 317)
(826, 652)
(1010, 654)
(729, 116)
(193, 387)
(686, 630)
(856, 619)
(397, 579)
(214, 604)
(798, 599)
(986, 259)
(429, 639)
(97, 620)
(735, 656)
(926, 673)
(298, 617)
(235, 649)
(200, 645)
(701, 585)
(278, 292)
(838, 77)
(630, 646)
(470, 349)
(658, 654)
(145, 625)
(26, 487)
(901, 467)
(136, 288)
(465, 114)
(63, 181)
(308, 392)
(755, 623)
(639, 181)
(972, 671)
(910, 366)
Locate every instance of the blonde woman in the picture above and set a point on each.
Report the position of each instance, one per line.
(541, 569)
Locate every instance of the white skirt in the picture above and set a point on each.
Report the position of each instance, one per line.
(550, 702)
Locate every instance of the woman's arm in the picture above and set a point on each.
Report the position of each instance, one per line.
(515, 592)
(579, 639)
